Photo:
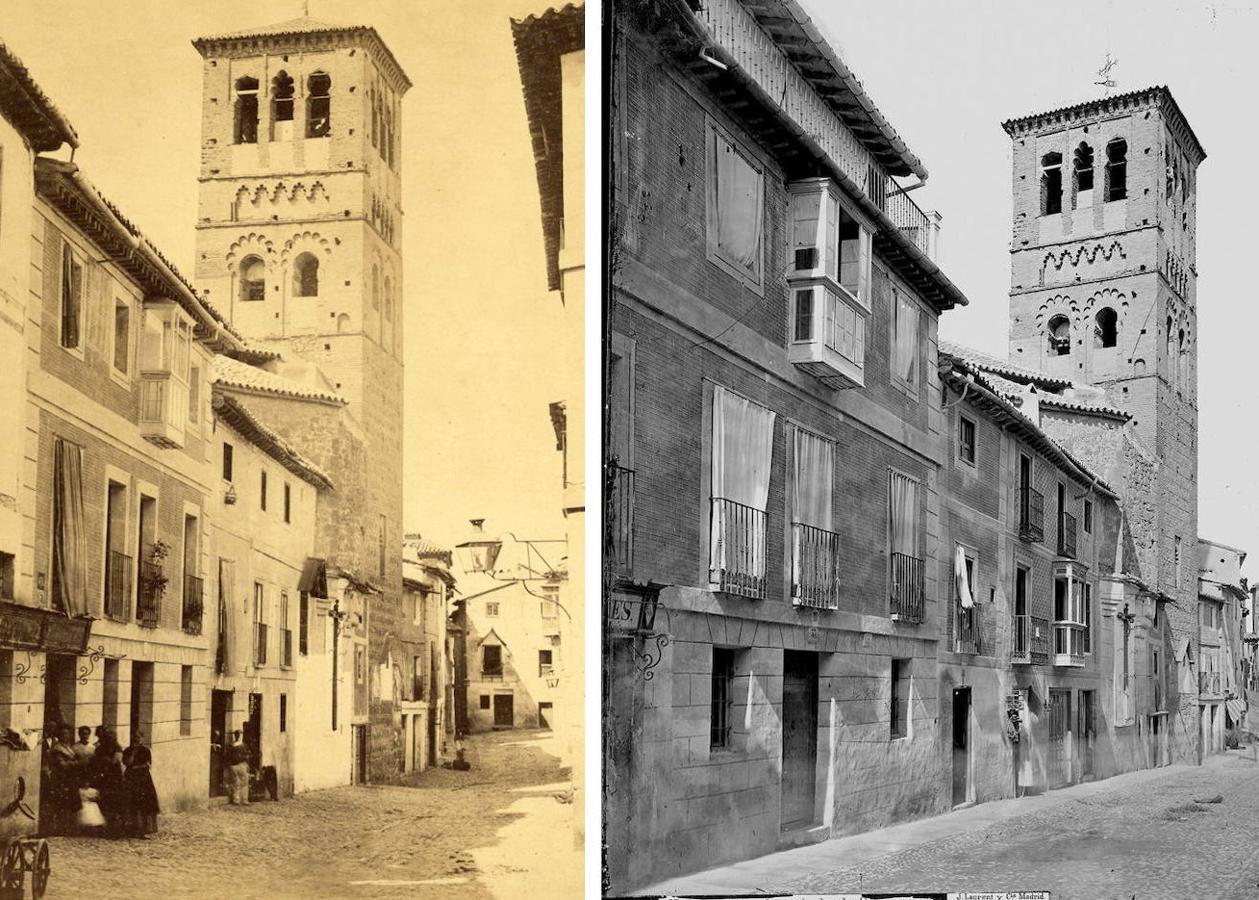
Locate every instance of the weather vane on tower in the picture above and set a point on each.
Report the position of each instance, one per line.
(1107, 83)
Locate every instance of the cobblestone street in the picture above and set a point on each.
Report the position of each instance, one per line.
(1140, 836)
(496, 831)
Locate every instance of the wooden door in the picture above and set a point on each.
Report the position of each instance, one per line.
(961, 744)
(799, 717)
(1059, 730)
(504, 714)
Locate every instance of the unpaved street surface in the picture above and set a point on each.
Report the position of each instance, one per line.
(491, 832)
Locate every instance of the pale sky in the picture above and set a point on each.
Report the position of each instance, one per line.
(947, 74)
(480, 324)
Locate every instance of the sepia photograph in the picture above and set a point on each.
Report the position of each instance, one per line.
(292, 504)
(928, 487)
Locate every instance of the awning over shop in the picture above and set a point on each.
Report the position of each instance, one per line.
(33, 628)
(314, 579)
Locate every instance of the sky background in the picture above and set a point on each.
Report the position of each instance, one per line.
(481, 366)
(947, 74)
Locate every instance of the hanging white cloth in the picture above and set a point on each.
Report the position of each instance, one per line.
(906, 357)
(959, 577)
(743, 442)
(904, 514)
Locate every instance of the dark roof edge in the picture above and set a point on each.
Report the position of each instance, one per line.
(204, 44)
(1156, 93)
(243, 421)
(949, 370)
(57, 127)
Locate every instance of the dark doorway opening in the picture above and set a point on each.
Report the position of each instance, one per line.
(220, 705)
(961, 744)
(504, 711)
(799, 778)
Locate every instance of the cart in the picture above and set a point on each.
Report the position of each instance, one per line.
(20, 854)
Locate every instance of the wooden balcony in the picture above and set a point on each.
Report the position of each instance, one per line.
(163, 409)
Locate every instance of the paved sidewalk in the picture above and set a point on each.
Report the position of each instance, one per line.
(901, 855)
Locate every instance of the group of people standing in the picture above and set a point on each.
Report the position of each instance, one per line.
(98, 788)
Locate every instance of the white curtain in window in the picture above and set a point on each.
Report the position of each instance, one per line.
(959, 576)
(739, 205)
(743, 441)
(69, 537)
(905, 356)
(812, 486)
(904, 507)
(813, 480)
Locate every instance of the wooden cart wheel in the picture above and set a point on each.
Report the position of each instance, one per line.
(11, 876)
(41, 870)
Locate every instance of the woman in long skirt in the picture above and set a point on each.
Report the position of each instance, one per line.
(141, 795)
(107, 778)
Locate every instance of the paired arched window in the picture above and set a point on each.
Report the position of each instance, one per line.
(306, 275)
(1059, 336)
(1050, 184)
(253, 278)
(281, 101)
(1116, 170)
(318, 105)
(1083, 175)
(1107, 328)
(246, 125)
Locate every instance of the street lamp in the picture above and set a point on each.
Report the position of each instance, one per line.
(479, 553)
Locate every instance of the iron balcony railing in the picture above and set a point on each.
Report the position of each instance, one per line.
(621, 517)
(118, 586)
(1208, 682)
(194, 589)
(907, 588)
(909, 219)
(738, 563)
(966, 628)
(286, 647)
(1031, 514)
(149, 596)
(1031, 640)
(815, 567)
(260, 643)
(1066, 535)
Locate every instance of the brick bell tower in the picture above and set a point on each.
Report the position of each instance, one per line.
(1104, 290)
(299, 230)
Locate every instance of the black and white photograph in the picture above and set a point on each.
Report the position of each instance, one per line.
(928, 484)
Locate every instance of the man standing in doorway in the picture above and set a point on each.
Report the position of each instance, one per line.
(236, 759)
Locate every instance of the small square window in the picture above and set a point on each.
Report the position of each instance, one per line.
(491, 610)
(966, 440)
(485, 701)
